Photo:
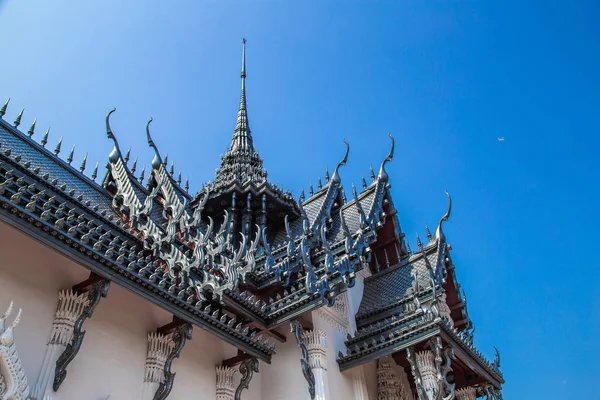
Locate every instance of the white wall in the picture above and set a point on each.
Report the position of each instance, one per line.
(111, 359)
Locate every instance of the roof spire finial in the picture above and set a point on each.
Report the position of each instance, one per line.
(95, 172)
(71, 155)
(58, 146)
(141, 178)
(18, 119)
(127, 155)
(83, 163)
(31, 130)
(45, 138)
(242, 139)
(3, 109)
(243, 75)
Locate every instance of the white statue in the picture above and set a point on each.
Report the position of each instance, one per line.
(13, 381)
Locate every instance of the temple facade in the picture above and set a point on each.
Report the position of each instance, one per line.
(128, 286)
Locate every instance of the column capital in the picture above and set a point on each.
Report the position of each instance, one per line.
(316, 344)
(225, 382)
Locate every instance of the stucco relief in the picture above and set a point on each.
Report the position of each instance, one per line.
(14, 385)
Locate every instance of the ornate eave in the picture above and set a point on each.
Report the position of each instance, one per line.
(282, 201)
(406, 305)
(65, 219)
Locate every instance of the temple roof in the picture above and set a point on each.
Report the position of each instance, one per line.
(186, 254)
(385, 289)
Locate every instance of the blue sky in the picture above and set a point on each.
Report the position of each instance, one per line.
(446, 78)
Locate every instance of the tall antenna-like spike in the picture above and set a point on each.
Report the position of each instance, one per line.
(187, 183)
(166, 161)
(319, 184)
(310, 189)
(134, 166)
(241, 141)
(172, 168)
(18, 119)
(419, 241)
(179, 178)
(31, 130)
(141, 178)
(71, 154)
(302, 195)
(45, 138)
(126, 158)
(427, 232)
(408, 249)
(3, 109)
(372, 172)
(364, 183)
(95, 172)
(58, 146)
(82, 166)
(326, 174)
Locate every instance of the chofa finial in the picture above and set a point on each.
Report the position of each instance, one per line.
(382, 175)
(439, 233)
(115, 154)
(336, 176)
(156, 161)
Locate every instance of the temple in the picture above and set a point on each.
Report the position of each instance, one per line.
(128, 286)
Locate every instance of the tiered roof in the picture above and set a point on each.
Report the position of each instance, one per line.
(242, 256)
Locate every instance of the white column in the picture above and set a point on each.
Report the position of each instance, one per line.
(359, 383)
(13, 385)
(316, 344)
(426, 365)
(70, 307)
(467, 393)
(225, 383)
(159, 347)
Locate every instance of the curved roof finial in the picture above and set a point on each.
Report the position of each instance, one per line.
(156, 161)
(382, 175)
(116, 153)
(336, 176)
(439, 233)
(497, 358)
